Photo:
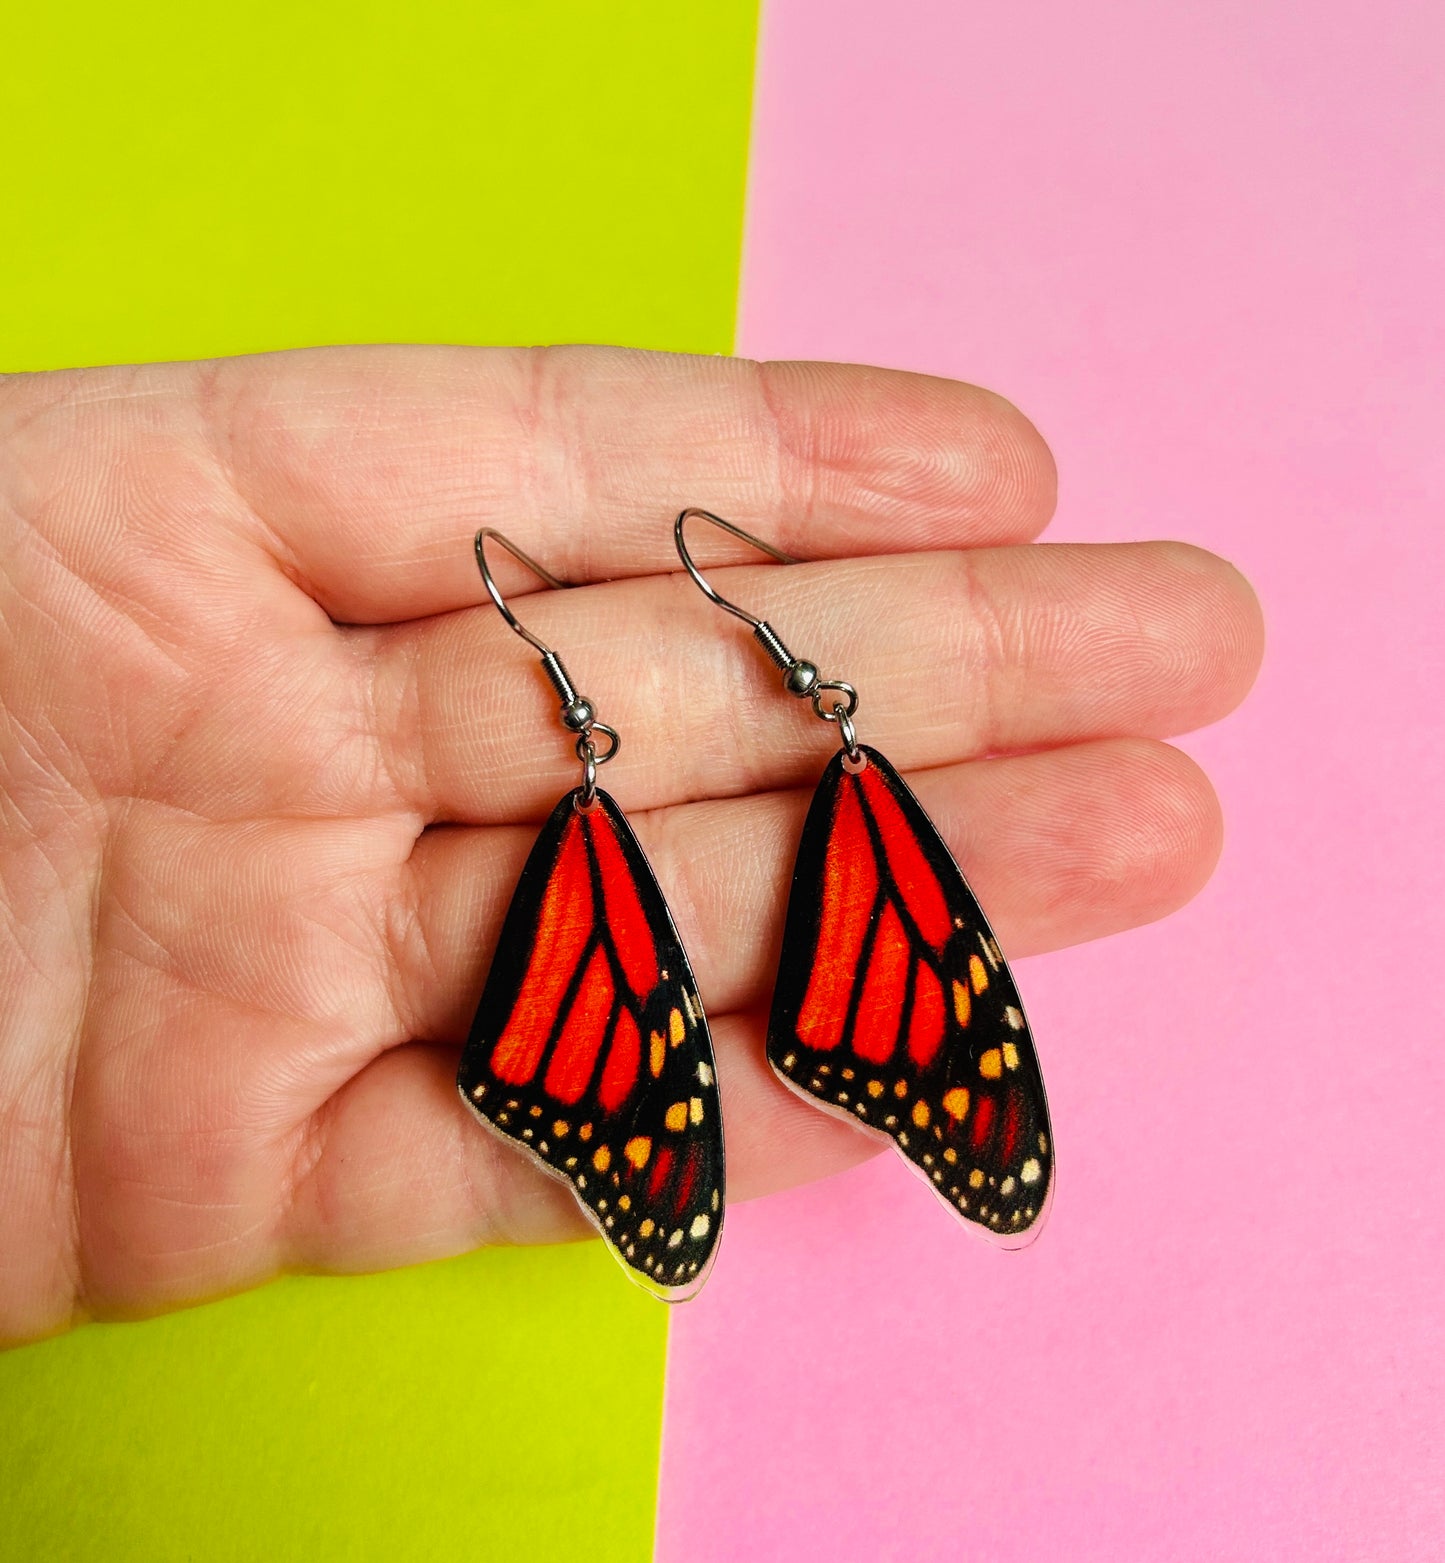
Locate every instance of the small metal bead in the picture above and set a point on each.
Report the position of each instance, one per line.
(800, 679)
(577, 714)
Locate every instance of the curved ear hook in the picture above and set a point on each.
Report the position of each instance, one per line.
(494, 592)
(799, 677)
(578, 715)
(711, 592)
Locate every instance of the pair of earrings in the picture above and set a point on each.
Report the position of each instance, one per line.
(893, 1006)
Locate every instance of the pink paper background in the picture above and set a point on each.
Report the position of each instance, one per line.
(1203, 246)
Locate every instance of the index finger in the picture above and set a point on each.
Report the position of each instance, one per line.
(368, 469)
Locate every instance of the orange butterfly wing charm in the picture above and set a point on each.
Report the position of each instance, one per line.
(591, 1052)
(895, 1008)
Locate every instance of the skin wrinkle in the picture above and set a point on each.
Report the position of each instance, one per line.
(45, 768)
(123, 507)
(796, 475)
(406, 723)
(302, 1181)
(72, 1183)
(352, 750)
(776, 460)
(349, 932)
(980, 651)
(527, 415)
(726, 672)
(220, 417)
(486, 1171)
(762, 706)
(471, 956)
(569, 478)
(60, 1202)
(661, 678)
(241, 1006)
(77, 763)
(65, 1204)
(217, 422)
(403, 936)
(126, 610)
(483, 1163)
(680, 887)
(192, 743)
(735, 691)
(16, 1130)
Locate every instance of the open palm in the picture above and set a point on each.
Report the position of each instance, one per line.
(270, 763)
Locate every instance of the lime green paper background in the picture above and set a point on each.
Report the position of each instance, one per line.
(202, 180)
(178, 181)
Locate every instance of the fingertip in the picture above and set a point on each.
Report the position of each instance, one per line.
(1162, 839)
(1230, 618)
(881, 459)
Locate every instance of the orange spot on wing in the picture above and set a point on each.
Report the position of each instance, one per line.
(925, 1025)
(962, 1002)
(850, 884)
(627, 922)
(955, 1102)
(624, 1059)
(564, 925)
(880, 1006)
(917, 883)
(579, 1044)
(977, 974)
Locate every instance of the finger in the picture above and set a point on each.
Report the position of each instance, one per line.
(395, 1170)
(368, 469)
(954, 655)
(1059, 847)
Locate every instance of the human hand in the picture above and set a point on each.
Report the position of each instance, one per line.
(270, 763)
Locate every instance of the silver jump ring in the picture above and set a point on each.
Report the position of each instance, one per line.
(587, 753)
(585, 743)
(588, 792)
(847, 705)
(840, 711)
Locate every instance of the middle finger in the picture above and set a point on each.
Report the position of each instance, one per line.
(955, 655)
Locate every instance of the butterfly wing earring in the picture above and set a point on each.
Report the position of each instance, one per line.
(590, 1049)
(894, 1006)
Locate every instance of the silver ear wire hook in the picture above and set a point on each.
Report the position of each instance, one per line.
(578, 715)
(494, 592)
(800, 677)
(679, 537)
